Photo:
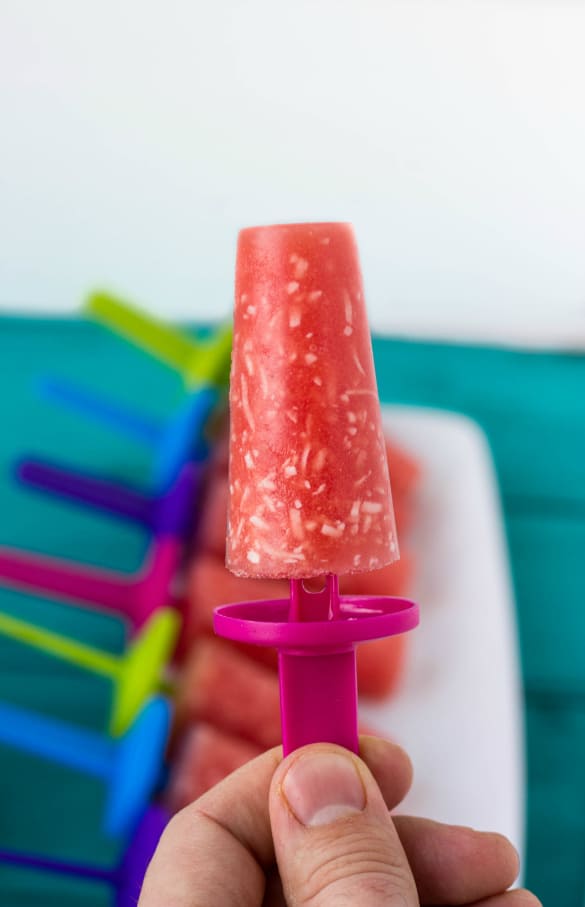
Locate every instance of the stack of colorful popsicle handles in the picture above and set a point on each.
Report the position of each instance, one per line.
(315, 634)
(136, 596)
(126, 879)
(196, 361)
(136, 675)
(129, 766)
(168, 512)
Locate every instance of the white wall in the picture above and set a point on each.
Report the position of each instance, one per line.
(136, 137)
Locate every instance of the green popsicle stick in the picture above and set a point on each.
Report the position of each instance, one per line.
(143, 667)
(198, 361)
(136, 675)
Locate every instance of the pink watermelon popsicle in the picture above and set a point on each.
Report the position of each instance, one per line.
(309, 490)
(309, 485)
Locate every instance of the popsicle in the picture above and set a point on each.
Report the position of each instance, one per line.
(126, 879)
(130, 766)
(309, 483)
(135, 596)
(194, 360)
(136, 674)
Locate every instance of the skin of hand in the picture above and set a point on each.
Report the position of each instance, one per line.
(314, 830)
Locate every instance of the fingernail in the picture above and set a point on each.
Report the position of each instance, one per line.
(323, 787)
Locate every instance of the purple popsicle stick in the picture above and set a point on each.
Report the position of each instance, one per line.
(170, 513)
(127, 877)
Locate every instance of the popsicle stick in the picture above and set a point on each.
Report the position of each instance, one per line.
(317, 665)
(136, 674)
(169, 513)
(123, 418)
(144, 330)
(174, 443)
(136, 596)
(129, 766)
(198, 361)
(85, 488)
(61, 647)
(184, 439)
(318, 692)
(319, 699)
(59, 867)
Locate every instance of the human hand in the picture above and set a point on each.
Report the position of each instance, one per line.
(314, 830)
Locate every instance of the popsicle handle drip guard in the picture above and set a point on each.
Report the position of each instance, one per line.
(316, 634)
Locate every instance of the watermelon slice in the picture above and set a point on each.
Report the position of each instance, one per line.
(380, 666)
(205, 757)
(404, 469)
(394, 579)
(213, 520)
(210, 584)
(221, 686)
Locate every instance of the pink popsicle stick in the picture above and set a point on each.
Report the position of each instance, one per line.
(316, 634)
(135, 596)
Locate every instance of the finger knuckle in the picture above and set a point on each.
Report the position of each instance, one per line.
(355, 871)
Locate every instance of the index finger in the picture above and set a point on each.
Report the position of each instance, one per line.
(217, 849)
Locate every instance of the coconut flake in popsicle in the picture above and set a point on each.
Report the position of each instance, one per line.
(309, 484)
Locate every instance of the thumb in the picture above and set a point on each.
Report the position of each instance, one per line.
(334, 840)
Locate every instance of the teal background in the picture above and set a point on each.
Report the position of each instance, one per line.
(532, 408)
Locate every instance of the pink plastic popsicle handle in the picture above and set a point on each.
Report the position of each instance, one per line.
(318, 699)
(134, 595)
(318, 691)
(315, 634)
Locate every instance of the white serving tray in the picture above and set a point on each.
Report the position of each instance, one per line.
(458, 712)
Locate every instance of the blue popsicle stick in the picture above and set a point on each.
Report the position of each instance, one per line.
(130, 765)
(184, 437)
(103, 409)
(174, 442)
